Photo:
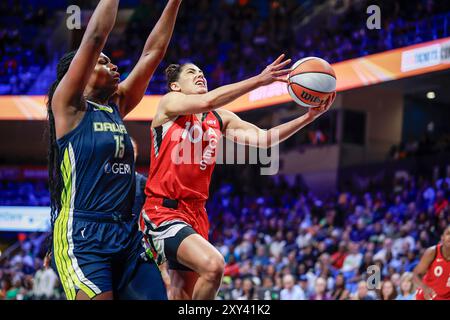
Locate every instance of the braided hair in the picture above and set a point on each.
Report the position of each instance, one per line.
(54, 175)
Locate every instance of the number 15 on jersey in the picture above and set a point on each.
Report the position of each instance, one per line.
(120, 146)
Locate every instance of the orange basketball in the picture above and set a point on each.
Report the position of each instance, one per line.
(311, 81)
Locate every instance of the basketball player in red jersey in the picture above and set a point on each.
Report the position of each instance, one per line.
(432, 274)
(174, 216)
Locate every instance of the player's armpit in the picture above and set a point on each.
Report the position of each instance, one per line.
(242, 132)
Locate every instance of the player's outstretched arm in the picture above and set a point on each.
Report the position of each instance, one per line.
(132, 89)
(421, 269)
(68, 97)
(246, 133)
(177, 103)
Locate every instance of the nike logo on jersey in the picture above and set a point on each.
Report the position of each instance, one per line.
(107, 109)
(82, 232)
(99, 107)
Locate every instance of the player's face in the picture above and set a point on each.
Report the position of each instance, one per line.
(105, 76)
(446, 237)
(192, 80)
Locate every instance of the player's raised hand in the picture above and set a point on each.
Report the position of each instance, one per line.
(318, 111)
(275, 71)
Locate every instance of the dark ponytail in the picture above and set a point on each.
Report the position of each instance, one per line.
(173, 72)
(54, 175)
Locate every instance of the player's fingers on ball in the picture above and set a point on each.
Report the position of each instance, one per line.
(280, 73)
(279, 59)
(329, 103)
(330, 100)
(281, 79)
(333, 97)
(283, 64)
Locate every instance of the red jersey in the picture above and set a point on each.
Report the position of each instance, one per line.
(437, 277)
(183, 155)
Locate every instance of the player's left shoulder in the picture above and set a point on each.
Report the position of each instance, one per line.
(224, 112)
(216, 118)
(226, 116)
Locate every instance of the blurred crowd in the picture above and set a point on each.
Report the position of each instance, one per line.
(229, 39)
(427, 145)
(285, 243)
(25, 276)
(22, 53)
(232, 40)
(24, 193)
(281, 241)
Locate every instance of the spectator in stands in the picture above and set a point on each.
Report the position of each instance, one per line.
(340, 292)
(337, 258)
(304, 237)
(382, 254)
(387, 291)
(320, 292)
(250, 221)
(411, 260)
(440, 204)
(291, 291)
(367, 262)
(304, 285)
(26, 292)
(5, 287)
(395, 279)
(277, 245)
(362, 292)
(266, 292)
(45, 282)
(232, 267)
(352, 261)
(261, 257)
(229, 28)
(248, 290)
(237, 289)
(407, 287)
(15, 291)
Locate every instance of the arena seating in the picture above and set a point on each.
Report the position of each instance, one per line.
(247, 35)
(283, 229)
